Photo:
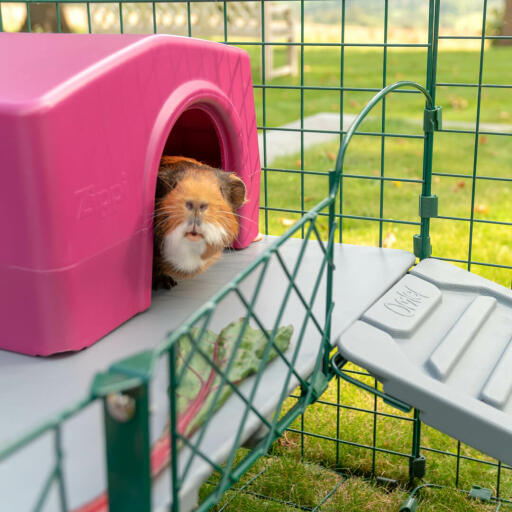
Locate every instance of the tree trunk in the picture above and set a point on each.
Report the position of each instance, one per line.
(507, 25)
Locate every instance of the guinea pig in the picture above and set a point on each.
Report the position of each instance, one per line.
(195, 218)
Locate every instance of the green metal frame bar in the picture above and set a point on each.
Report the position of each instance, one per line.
(338, 362)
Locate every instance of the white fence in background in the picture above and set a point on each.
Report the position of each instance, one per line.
(206, 21)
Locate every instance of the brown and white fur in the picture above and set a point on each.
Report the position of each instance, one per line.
(195, 218)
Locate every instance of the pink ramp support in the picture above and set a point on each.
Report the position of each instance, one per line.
(84, 121)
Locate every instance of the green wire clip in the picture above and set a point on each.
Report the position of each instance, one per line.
(480, 493)
(409, 505)
(428, 206)
(432, 120)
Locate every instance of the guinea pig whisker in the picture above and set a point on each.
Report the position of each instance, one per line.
(160, 213)
(237, 215)
(160, 223)
(165, 212)
(163, 221)
(225, 211)
(166, 208)
(224, 221)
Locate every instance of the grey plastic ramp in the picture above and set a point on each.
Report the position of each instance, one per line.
(34, 389)
(441, 340)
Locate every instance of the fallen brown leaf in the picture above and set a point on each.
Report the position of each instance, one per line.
(481, 208)
(460, 184)
(286, 442)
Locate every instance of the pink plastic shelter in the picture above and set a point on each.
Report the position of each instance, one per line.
(84, 121)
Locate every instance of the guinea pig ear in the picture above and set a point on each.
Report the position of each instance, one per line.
(167, 179)
(234, 190)
(161, 186)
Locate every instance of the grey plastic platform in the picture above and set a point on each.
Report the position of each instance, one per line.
(34, 389)
(441, 341)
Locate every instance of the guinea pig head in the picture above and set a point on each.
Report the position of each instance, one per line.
(197, 203)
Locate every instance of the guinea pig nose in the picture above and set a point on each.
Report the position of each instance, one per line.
(189, 205)
(203, 206)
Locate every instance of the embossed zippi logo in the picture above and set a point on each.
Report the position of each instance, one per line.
(406, 302)
(93, 200)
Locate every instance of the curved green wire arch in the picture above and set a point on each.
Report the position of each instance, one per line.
(360, 118)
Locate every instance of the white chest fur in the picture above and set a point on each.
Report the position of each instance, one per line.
(182, 253)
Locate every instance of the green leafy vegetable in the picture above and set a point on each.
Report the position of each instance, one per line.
(201, 382)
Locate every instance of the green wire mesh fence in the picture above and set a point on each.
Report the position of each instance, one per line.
(204, 369)
(390, 163)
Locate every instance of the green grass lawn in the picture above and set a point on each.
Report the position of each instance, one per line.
(491, 243)
(454, 153)
(313, 474)
(302, 474)
(310, 474)
(364, 69)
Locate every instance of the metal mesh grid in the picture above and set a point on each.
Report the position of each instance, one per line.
(194, 348)
(370, 215)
